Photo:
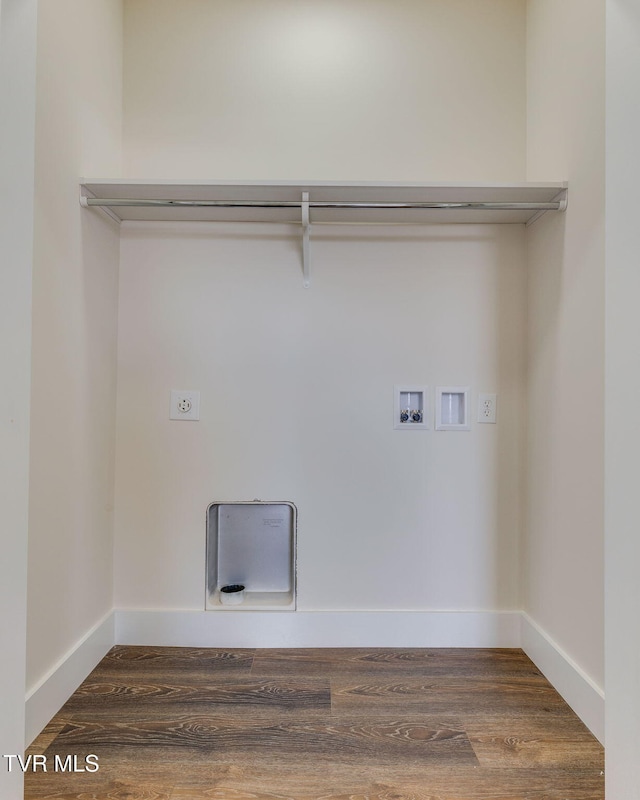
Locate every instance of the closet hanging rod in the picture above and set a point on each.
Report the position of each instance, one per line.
(554, 205)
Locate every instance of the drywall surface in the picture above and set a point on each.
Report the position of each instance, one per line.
(563, 550)
(74, 330)
(17, 101)
(622, 394)
(297, 387)
(338, 90)
(297, 405)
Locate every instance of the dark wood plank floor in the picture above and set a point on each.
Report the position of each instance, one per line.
(321, 724)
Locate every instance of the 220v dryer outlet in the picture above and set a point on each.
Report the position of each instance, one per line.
(185, 405)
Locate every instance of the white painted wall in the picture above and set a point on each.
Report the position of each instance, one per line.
(563, 552)
(78, 130)
(297, 386)
(622, 394)
(251, 90)
(17, 101)
(337, 90)
(297, 404)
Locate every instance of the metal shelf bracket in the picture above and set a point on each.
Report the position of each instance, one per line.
(306, 249)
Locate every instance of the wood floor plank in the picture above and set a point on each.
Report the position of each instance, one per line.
(408, 662)
(58, 787)
(381, 740)
(130, 654)
(566, 726)
(432, 783)
(494, 750)
(447, 694)
(246, 696)
(172, 662)
(318, 780)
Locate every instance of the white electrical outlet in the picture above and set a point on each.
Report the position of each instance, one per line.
(487, 408)
(185, 405)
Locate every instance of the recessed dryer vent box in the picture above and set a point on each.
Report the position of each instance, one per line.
(452, 408)
(252, 545)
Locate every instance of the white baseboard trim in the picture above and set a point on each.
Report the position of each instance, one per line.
(318, 628)
(584, 696)
(166, 628)
(46, 698)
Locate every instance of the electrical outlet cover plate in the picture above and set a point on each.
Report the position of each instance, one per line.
(185, 405)
(487, 408)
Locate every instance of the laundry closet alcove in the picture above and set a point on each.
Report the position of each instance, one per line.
(254, 552)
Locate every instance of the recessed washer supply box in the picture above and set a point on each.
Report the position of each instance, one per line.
(253, 544)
